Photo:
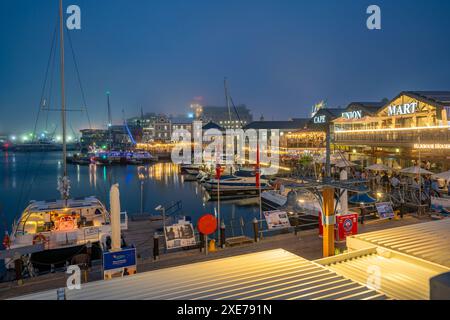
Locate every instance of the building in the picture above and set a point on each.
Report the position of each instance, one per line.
(94, 137)
(153, 127)
(412, 126)
(226, 118)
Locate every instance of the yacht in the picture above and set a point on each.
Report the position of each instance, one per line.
(63, 228)
(53, 232)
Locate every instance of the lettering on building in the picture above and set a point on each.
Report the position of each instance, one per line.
(352, 114)
(320, 119)
(397, 110)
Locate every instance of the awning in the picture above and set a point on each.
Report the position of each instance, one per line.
(275, 274)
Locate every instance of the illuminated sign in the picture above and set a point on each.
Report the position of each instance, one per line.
(320, 119)
(432, 146)
(407, 108)
(352, 114)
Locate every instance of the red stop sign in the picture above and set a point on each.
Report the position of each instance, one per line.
(207, 224)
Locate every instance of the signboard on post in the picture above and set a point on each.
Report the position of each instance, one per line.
(346, 225)
(385, 210)
(180, 235)
(277, 220)
(119, 263)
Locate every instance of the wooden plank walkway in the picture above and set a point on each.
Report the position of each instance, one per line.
(306, 244)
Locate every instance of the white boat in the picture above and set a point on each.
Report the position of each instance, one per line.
(295, 202)
(63, 228)
(231, 182)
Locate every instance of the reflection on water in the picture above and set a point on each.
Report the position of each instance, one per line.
(33, 176)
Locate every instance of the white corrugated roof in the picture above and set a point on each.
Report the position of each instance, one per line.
(274, 274)
(429, 241)
(399, 276)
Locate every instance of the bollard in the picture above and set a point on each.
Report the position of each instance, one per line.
(202, 242)
(212, 246)
(155, 246)
(18, 266)
(255, 230)
(222, 235)
(89, 252)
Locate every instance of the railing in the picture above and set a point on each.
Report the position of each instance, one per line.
(395, 137)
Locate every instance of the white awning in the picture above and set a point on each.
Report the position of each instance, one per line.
(274, 274)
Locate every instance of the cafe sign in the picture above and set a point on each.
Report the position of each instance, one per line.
(403, 109)
(320, 119)
(352, 115)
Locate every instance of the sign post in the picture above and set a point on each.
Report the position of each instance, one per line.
(206, 225)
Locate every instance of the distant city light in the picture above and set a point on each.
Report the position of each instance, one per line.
(58, 138)
(69, 138)
(13, 138)
(190, 115)
(24, 138)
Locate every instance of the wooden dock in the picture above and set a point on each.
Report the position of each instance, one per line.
(140, 233)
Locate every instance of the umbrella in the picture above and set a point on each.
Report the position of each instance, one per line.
(344, 163)
(361, 198)
(415, 170)
(378, 167)
(443, 175)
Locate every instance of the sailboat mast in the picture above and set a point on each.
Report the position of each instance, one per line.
(227, 99)
(63, 96)
(109, 122)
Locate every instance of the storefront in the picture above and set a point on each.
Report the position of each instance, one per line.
(410, 128)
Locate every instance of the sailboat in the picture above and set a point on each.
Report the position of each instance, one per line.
(60, 228)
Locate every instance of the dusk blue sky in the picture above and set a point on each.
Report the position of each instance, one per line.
(280, 56)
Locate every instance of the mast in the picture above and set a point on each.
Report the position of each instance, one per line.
(109, 122)
(64, 183)
(227, 99)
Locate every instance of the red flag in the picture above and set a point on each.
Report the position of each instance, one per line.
(257, 168)
(218, 171)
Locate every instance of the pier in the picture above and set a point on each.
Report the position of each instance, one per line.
(306, 244)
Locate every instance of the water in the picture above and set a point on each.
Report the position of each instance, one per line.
(33, 176)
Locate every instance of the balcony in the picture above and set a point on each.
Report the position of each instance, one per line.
(393, 137)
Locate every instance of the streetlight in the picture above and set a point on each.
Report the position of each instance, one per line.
(163, 210)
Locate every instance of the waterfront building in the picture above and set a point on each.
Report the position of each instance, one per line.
(226, 118)
(412, 126)
(94, 137)
(181, 123)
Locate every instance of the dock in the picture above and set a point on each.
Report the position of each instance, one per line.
(306, 244)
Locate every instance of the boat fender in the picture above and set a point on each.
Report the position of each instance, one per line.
(6, 241)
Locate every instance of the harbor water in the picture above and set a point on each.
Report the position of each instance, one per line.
(33, 176)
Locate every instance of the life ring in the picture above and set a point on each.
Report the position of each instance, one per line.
(39, 238)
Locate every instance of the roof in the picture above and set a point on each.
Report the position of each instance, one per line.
(439, 97)
(400, 276)
(293, 124)
(370, 107)
(212, 125)
(274, 274)
(428, 241)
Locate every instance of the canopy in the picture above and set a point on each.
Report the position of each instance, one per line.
(378, 167)
(362, 198)
(443, 175)
(344, 163)
(415, 170)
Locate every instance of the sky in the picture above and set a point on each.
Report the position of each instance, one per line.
(279, 56)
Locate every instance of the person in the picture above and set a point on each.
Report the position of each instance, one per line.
(427, 186)
(395, 182)
(448, 188)
(435, 188)
(378, 178)
(385, 179)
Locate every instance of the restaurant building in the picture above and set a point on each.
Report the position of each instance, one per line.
(411, 128)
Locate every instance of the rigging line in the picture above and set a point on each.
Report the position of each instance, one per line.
(27, 166)
(235, 110)
(50, 96)
(79, 79)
